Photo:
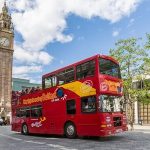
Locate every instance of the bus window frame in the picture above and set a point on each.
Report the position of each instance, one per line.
(65, 72)
(74, 109)
(108, 61)
(83, 73)
(38, 107)
(53, 79)
(88, 112)
(22, 112)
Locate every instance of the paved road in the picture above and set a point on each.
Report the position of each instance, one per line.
(137, 140)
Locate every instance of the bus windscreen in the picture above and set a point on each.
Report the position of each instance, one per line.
(108, 67)
(110, 103)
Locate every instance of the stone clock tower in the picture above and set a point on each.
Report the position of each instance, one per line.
(6, 57)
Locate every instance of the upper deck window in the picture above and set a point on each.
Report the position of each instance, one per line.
(49, 81)
(86, 69)
(109, 67)
(65, 76)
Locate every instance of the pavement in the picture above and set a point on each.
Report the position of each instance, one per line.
(140, 127)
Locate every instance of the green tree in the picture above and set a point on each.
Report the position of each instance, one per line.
(131, 56)
(144, 95)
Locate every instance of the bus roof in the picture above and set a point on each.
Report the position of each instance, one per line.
(80, 62)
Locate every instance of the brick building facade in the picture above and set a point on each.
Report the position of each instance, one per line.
(6, 57)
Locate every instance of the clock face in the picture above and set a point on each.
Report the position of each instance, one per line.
(4, 41)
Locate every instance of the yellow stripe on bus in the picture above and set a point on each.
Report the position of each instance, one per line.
(80, 88)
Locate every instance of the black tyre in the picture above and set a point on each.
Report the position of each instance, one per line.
(25, 129)
(70, 130)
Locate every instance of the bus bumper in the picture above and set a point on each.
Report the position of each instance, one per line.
(109, 132)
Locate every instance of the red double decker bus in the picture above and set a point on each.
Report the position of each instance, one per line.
(83, 99)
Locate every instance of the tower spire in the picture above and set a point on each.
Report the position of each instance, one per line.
(5, 9)
(5, 19)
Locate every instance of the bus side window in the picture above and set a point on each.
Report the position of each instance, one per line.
(18, 113)
(49, 81)
(69, 75)
(71, 107)
(88, 104)
(54, 80)
(36, 111)
(22, 112)
(85, 69)
(27, 112)
(65, 76)
(61, 77)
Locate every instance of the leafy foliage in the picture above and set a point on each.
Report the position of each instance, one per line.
(134, 62)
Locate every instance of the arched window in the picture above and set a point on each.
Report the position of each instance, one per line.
(5, 25)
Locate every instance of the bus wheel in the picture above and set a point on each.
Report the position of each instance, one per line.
(70, 130)
(25, 129)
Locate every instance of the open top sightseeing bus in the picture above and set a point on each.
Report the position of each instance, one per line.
(83, 99)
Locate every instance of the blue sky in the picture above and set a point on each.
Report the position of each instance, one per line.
(52, 34)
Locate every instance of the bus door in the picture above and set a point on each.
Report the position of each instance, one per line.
(88, 120)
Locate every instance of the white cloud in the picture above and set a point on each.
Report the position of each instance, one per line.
(115, 33)
(26, 56)
(42, 22)
(22, 76)
(22, 5)
(36, 79)
(112, 10)
(18, 70)
(1, 4)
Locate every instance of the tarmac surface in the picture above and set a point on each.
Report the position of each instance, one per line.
(138, 139)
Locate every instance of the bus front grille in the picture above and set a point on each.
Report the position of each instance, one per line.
(117, 121)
